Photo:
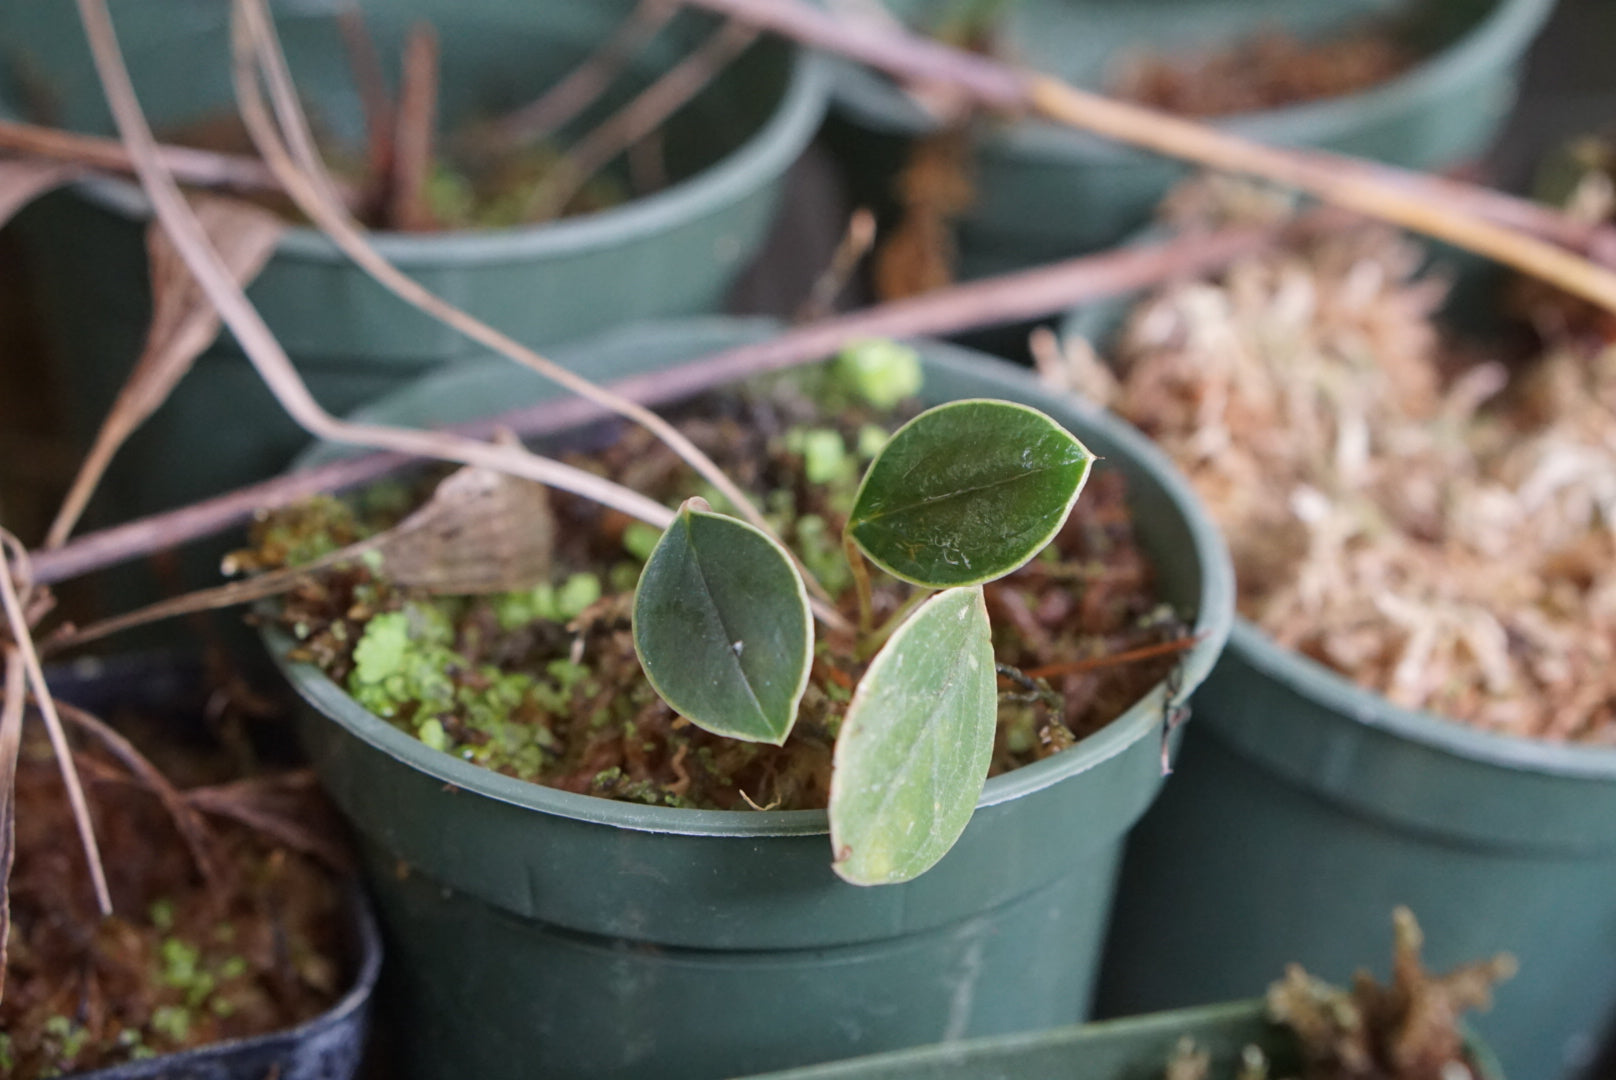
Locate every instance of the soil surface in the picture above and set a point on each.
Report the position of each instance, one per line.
(544, 684)
(1266, 71)
(255, 946)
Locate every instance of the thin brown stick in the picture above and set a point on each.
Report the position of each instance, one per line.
(850, 251)
(584, 84)
(199, 168)
(996, 85)
(376, 101)
(634, 121)
(1010, 298)
(11, 710)
(192, 829)
(1129, 656)
(259, 343)
(22, 641)
(412, 140)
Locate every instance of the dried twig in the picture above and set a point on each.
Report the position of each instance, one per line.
(634, 121)
(376, 101)
(276, 806)
(256, 46)
(16, 690)
(850, 251)
(23, 180)
(199, 168)
(192, 829)
(993, 301)
(23, 644)
(999, 86)
(183, 323)
(260, 344)
(584, 84)
(416, 123)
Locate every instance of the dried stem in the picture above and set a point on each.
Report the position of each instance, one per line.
(305, 178)
(265, 351)
(1095, 663)
(199, 168)
(997, 85)
(634, 121)
(376, 101)
(1008, 299)
(16, 689)
(417, 122)
(187, 822)
(584, 84)
(23, 643)
(850, 251)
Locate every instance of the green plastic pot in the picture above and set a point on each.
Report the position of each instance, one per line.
(533, 932)
(1137, 1048)
(1045, 192)
(672, 252)
(1305, 808)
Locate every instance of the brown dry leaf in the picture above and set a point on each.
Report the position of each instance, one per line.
(184, 323)
(481, 532)
(22, 180)
(10, 745)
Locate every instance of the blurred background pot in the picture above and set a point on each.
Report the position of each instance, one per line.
(539, 932)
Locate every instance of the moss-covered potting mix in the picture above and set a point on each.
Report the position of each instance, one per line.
(544, 683)
(219, 931)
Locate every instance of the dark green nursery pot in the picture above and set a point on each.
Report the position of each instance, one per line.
(1045, 192)
(1137, 1048)
(535, 932)
(671, 252)
(1304, 808)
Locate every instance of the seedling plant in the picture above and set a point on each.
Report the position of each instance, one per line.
(963, 494)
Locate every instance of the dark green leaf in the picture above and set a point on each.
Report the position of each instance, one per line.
(966, 492)
(723, 628)
(914, 747)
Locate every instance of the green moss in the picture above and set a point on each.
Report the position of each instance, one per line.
(881, 373)
(640, 539)
(172, 1022)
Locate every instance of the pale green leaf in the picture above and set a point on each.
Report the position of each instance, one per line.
(914, 748)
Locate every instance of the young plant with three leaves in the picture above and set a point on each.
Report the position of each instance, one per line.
(962, 495)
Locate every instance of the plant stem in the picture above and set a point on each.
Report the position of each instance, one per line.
(1007, 299)
(998, 86)
(23, 643)
(412, 143)
(871, 643)
(584, 84)
(634, 121)
(202, 168)
(861, 583)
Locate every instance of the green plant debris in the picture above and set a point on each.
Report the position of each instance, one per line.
(546, 686)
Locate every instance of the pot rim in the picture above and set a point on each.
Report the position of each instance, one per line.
(768, 152)
(1490, 41)
(1214, 615)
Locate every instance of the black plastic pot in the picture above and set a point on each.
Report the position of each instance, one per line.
(538, 932)
(328, 1047)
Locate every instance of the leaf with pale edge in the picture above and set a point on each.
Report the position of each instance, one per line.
(723, 628)
(967, 492)
(915, 745)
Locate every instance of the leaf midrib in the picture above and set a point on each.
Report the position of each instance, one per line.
(729, 650)
(933, 500)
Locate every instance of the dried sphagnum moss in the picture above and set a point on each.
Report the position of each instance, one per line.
(1408, 1029)
(1436, 528)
